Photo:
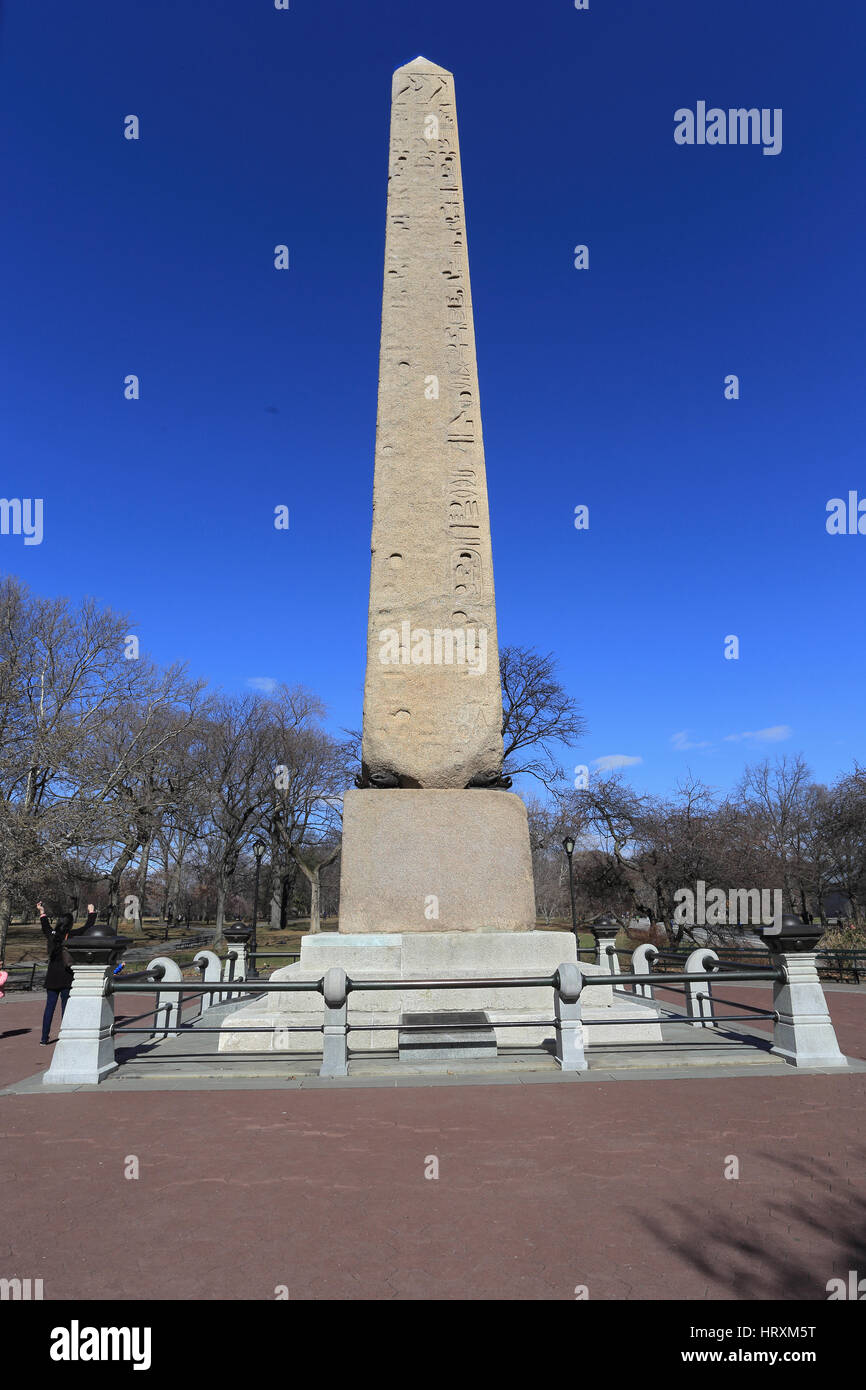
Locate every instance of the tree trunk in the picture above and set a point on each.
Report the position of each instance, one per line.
(114, 878)
(222, 892)
(275, 901)
(281, 881)
(174, 885)
(311, 873)
(285, 895)
(141, 879)
(5, 917)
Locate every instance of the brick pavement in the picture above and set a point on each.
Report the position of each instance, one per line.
(616, 1186)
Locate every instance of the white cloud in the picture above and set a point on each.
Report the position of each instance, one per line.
(611, 760)
(266, 684)
(682, 742)
(775, 734)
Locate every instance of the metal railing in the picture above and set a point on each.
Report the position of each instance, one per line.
(28, 970)
(852, 960)
(336, 987)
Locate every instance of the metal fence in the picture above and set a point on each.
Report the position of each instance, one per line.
(567, 984)
(839, 961)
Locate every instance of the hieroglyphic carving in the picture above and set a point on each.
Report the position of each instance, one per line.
(430, 494)
(468, 574)
(461, 430)
(463, 513)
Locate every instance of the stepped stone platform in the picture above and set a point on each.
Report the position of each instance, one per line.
(190, 1062)
(517, 1014)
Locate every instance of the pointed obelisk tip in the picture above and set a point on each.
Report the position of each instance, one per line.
(420, 64)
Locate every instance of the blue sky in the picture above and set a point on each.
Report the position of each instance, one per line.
(602, 387)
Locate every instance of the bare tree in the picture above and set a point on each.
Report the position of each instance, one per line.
(537, 715)
(237, 774)
(311, 771)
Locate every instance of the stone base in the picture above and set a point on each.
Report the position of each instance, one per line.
(437, 956)
(421, 860)
(453, 1037)
(804, 1034)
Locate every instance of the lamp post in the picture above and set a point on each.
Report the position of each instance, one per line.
(568, 846)
(258, 852)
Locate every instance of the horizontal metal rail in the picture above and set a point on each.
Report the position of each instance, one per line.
(442, 1027)
(530, 982)
(190, 987)
(671, 1018)
(735, 1004)
(117, 986)
(273, 955)
(686, 977)
(26, 968)
(191, 1028)
(120, 1025)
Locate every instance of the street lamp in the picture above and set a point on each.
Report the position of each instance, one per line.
(568, 846)
(258, 852)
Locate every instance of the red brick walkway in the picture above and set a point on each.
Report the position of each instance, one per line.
(617, 1186)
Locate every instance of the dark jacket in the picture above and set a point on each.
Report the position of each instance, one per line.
(59, 974)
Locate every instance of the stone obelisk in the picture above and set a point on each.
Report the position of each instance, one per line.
(436, 872)
(432, 703)
(431, 840)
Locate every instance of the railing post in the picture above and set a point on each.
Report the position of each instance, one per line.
(238, 939)
(569, 1028)
(84, 1053)
(605, 930)
(803, 1034)
(171, 973)
(641, 964)
(335, 1052)
(698, 996)
(211, 966)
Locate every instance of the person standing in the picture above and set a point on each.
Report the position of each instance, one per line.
(59, 976)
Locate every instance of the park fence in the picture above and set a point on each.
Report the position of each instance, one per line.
(802, 1031)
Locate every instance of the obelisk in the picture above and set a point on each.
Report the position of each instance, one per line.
(432, 841)
(436, 887)
(432, 702)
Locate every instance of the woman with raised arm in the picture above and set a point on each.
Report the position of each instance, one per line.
(59, 976)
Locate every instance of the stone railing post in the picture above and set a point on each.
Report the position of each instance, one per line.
(335, 1053)
(641, 964)
(698, 996)
(569, 1028)
(605, 930)
(237, 940)
(172, 974)
(803, 1034)
(84, 1052)
(210, 966)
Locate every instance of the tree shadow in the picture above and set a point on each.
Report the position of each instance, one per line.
(754, 1255)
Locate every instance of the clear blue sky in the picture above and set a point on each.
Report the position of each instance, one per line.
(258, 127)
